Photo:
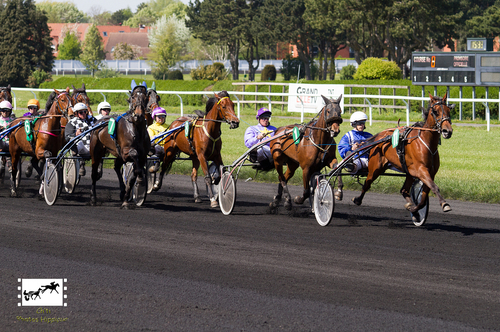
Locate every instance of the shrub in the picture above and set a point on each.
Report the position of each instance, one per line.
(159, 73)
(175, 75)
(38, 77)
(377, 69)
(268, 73)
(347, 72)
(106, 72)
(214, 72)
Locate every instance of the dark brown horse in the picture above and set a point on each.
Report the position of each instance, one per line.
(5, 94)
(46, 133)
(130, 144)
(80, 96)
(204, 142)
(315, 150)
(420, 156)
(153, 102)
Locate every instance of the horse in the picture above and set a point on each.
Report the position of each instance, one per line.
(80, 96)
(419, 157)
(131, 143)
(46, 133)
(53, 287)
(5, 94)
(153, 102)
(29, 295)
(204, 143)
(312, 153)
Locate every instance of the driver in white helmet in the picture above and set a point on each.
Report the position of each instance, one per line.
(5, 119)
(103, 109)
(353, 140)
(77, 125)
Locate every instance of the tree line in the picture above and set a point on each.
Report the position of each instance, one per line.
(250, 30)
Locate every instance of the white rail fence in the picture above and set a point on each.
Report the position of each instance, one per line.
(266, 99)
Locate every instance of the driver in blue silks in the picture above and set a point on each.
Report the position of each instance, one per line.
(352, 140)
(257, 133)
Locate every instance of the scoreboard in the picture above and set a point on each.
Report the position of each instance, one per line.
(456, 68)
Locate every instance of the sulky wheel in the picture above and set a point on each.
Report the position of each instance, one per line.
(227, 193)
(150, 176)
(324, 202)
(420, 217)
(50, 183)
(71, 176)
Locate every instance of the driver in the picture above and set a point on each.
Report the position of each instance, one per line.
(159, 115)
(81, 122)
(255, 134)
(352, 140)
(5, 120)
(33, 107)
(103, 109)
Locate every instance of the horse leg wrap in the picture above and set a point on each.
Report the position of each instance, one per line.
(339, 195)
(47, 154)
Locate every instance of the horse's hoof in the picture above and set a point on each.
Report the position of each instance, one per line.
(356, 201)
(298, 200)
(288, 205)
(410, 207)
(214, 204)
(339, 195)
(273, 204)
(446, 207)
(156, 186)
(125, 206)
(13, 193)
(197, 200)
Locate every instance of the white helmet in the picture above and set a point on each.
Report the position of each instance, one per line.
(80, 107)
(358, 117)
(102, 105)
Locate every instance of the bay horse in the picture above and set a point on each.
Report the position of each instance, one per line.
(130, 144)
(5, 94)
(153, 102)
(80, 96)
(420, 156)
(315, 150)
(204, 143)
(46, 136)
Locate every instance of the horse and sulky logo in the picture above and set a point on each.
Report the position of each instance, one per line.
(42, 292)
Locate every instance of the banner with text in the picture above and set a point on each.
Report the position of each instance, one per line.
(310, 96)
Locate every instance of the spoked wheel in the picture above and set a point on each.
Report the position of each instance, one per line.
(324, 202)
(227, 193)
(420, 217)
(50, 183)
(150, 176)
(71, 174)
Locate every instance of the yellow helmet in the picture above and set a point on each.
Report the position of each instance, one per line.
(34, 102)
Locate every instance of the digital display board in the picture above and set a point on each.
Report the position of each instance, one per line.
(456, 68)
(479, 44)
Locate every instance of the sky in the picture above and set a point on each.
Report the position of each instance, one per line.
(109, 5)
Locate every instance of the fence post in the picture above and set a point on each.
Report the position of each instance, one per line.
(283, 100)
(379, 102)
(394, 100)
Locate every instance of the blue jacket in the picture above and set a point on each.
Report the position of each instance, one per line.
(349, 139)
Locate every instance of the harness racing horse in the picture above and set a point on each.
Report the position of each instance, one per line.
(131, 144)
(315, 150)
(203, 143)
(419, 157)
(5, 94)
(46, 133)
(80, 96)
(153, 102)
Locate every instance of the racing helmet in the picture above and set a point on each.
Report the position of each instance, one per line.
(357, 117)
(34, 102)
(80, 107)
(6, 105)
(102, 105)
(263, 111)
(158, 111)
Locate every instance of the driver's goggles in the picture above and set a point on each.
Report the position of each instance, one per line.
(5, 110)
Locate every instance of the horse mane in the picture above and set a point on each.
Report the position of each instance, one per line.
(214, 100)
(50, 101)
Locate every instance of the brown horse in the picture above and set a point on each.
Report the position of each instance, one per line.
(315, 150)
(5, 94)
(204, 142)
(131, 144)
(419, 157)
(153, 102)
(80, 96)
(46, 136)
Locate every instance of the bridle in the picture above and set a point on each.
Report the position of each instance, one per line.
(439, 122)
(65, 111)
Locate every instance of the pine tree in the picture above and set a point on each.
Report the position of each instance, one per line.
(93, 50)
(25, 43)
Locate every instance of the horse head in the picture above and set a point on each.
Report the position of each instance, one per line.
(62, 103)
(225, 109)
(153, 102)
(5, 94)
(138, 102)
(440, 119)
(80, 96)
(332, 114)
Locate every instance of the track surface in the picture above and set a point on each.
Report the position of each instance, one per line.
(173, 265)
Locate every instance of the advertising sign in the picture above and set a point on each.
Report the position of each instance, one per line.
(307, 97)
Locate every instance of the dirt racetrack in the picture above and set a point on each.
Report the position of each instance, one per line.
(173, 265)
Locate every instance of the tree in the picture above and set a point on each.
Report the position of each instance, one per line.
(218, 22)
(124, 51)
(93, 50)
(70, 48)
(487, 24)
(62, 12)
(165, 43)
(120, 16)
(25, 43)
